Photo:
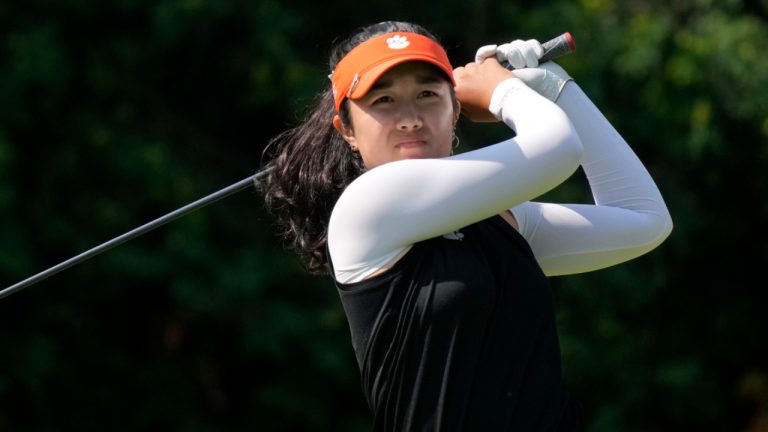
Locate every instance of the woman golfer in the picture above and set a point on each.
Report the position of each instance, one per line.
(441, 260)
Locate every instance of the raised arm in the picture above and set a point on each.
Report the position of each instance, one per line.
(629, 217)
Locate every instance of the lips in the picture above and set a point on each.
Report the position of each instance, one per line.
(410, 142)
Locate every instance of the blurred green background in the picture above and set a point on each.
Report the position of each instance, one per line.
(113, 113)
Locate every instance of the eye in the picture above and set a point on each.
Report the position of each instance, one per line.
(382, 99)
(427, 93)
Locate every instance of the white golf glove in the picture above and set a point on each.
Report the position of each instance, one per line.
(518, 53)
(547, 79)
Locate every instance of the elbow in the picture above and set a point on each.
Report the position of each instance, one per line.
(664, 222)
(654, 227)
(660, 230)
(667, 229)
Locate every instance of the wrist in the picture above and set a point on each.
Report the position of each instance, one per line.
(503, 90)
(548, 79)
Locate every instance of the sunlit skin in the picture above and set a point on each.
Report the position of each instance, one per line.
(475, 83)
(407, 114)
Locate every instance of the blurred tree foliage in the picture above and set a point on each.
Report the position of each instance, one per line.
(114, 113)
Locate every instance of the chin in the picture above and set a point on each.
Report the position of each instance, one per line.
(420, 153)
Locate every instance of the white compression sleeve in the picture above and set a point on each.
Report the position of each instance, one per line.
(629, 217)
(391, 207)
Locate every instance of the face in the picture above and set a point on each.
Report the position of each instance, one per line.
(407, 114)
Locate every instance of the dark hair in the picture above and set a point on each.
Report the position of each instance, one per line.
(310, 165)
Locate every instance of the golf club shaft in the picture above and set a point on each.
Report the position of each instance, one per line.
(216, 196)
(554, 48)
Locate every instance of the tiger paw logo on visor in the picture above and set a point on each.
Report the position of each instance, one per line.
(397, 42)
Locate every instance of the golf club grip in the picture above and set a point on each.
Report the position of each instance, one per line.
(559, 46)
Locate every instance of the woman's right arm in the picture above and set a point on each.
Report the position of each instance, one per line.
(395, 205)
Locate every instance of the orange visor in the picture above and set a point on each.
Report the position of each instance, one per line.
(360, 68)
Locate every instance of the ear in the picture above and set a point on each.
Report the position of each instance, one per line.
(346, 132)
(456, 110)
(456, 113)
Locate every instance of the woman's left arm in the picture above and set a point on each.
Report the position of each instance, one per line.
(629, 217)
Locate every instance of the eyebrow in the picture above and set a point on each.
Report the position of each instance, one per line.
(421, 79)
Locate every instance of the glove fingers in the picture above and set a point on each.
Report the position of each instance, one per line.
(512, 53)
(532, 51)
(484, 52)
(520, 54)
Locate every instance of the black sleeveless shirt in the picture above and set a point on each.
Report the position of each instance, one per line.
(459, 335)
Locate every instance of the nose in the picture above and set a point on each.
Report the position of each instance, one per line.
(409, 118)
